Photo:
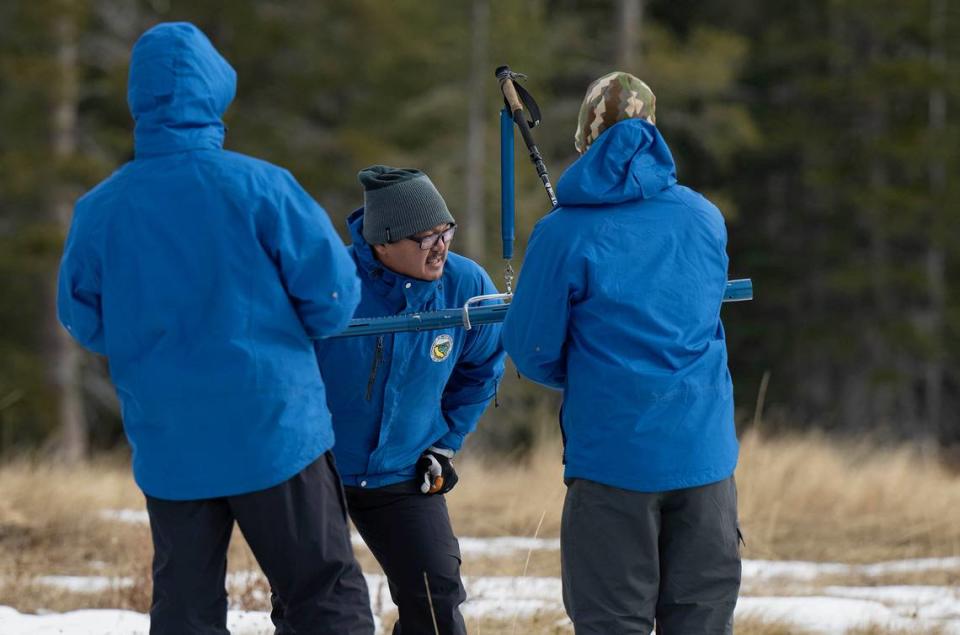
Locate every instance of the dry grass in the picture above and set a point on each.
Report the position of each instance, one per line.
(808, 498)
(508, 499)
(49, 525)
(802, 498)
(816, 499)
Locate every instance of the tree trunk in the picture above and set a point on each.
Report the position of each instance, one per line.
(630, 22)
(65, 357)
(935, 257)
(480, 78)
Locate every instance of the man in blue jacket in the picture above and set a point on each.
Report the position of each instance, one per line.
(619, 307)
(402, 404)
(195, 271)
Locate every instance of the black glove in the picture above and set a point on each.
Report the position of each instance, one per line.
(435, 472)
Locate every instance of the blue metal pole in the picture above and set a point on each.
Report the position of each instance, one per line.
(507, 213)
(736, 291)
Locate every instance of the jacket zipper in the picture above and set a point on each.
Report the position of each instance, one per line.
(376, 364)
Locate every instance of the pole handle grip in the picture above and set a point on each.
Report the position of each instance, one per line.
(510, 94)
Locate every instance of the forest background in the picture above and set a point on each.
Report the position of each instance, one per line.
(827, 132)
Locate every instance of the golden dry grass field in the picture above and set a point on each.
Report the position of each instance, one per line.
(810, 499)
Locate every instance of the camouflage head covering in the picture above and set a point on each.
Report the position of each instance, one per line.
(614, 97)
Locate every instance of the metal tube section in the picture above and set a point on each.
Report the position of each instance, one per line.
(736, 291)
(507, 212)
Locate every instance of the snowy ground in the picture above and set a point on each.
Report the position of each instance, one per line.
(782, 591)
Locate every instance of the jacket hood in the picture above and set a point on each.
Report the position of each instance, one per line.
(629, 161)
(364, 252)
(178, 89)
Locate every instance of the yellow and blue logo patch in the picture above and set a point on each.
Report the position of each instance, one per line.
(441, 347)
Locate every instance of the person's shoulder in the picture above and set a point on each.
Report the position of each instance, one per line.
(252, 165)
(567, 229)
(572, 219)
(693, 199)
(459, 266)
(466, 274)
(105, 192)
(252, 177)
(703, 209)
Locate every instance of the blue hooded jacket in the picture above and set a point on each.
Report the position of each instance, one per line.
(202, 275)
(619, 306)
(393, 396)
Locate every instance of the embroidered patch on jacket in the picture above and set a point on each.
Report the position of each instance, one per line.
(441, 347)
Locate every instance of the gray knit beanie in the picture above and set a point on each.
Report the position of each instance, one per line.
(399, 202)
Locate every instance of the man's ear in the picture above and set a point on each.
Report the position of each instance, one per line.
(380, 249)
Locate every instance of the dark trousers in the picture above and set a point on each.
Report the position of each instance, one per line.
(631, 558)
(297, 531)
(410, 535)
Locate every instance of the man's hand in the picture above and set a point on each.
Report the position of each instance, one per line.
(435, 472)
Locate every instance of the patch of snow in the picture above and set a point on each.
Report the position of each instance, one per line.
(917, 565)
(506, 545)
(380, 600)
(807, 571)
(508, 588)
(115, 622)
(85, 584)
(249, 583)
(499, 546)
(128, 516)
(249, 623)
(923, 602)
(503, 596)
(86, 622)
(790, 569)
(244, 578)
(830, 615)
(832, 609)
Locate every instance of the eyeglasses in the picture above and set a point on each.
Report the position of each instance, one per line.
(429, 242)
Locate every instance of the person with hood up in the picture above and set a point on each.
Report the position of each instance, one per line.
(403, 403)
(204, 275)
(618, 306)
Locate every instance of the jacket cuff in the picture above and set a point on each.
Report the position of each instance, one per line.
(445, 452)
(450, 441)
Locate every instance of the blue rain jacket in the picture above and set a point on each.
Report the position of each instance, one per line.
(619, 306)
(393, 396)
(202, 275)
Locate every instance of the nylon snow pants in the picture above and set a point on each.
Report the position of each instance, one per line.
(630, 559)
(410, 535)
(298, 532)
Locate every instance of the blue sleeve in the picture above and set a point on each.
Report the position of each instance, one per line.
(474, 380)
(78, 288)
(535, 331)
(319, 275)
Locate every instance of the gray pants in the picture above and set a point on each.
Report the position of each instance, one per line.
(630, 559)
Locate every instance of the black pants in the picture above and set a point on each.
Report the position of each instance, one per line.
(298, 532)
(410, 535)
(631, 558)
